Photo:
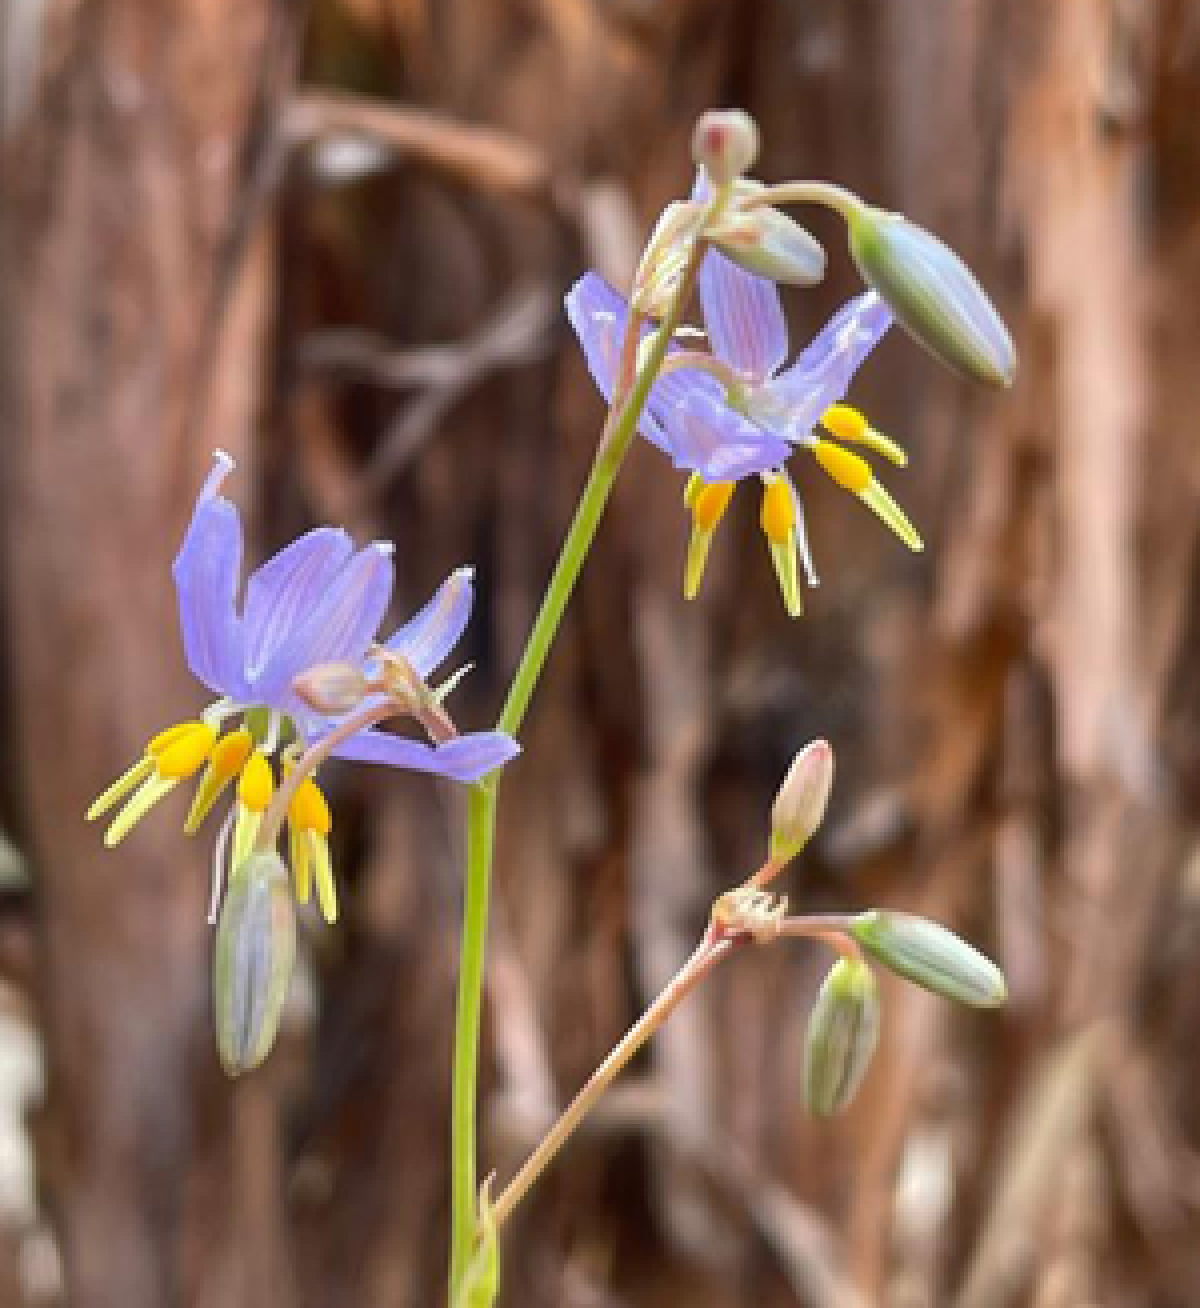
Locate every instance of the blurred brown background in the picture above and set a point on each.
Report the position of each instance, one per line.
(334, 239)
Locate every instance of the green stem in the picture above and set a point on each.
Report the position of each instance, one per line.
(481, 826)
(632, 390)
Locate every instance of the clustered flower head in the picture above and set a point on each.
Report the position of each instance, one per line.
(738, 410)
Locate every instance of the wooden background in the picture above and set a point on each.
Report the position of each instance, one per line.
(194, 252)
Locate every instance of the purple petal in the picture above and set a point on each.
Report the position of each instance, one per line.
(339, 627)
(427, 638)
(744, 318)
(712, 439)
(599, 316)
(466, 758)
(283, 592)
(206, 571)
(820, 377)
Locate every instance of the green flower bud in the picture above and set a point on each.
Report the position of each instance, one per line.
(767, 242)
(933, 294)
(843, 1031)
(931, 956)
(725, 144)
(800, 801)
(255, 951)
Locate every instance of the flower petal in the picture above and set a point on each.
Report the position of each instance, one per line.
(282, 593)
(712, 439)
(795, 400)
(206, 572)
(427, 638)
(338, 628)
(466, 758)
(744, 318)
(599, 316)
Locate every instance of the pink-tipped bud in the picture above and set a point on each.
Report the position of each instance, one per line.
(725, 144)
(800, 802)
(331, 689)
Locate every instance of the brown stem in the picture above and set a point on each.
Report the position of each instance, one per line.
(711, 949)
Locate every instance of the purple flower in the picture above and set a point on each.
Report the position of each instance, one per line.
(318, 602)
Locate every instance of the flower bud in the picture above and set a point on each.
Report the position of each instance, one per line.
(725, 144)
(332, 689)
(843, 1030)
(660, 269)
(933, 294)
(767, 242)
(931, 956)
(800, 801)
(252, 964)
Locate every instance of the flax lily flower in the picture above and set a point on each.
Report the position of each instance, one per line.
(738, 411)
(318, 602)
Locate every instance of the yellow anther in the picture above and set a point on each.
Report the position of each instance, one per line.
(169, 736)
(778, 514)
(846, 423)
(848, 470)
(710, 503)
(185, 752)
(256, 785)
(849, 424)
(230, 754)
(695, 484)
(308, 810)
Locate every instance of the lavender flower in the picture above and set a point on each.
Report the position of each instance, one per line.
(317, 602)
(739, 411)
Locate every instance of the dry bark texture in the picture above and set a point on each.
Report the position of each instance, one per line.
(190, 256)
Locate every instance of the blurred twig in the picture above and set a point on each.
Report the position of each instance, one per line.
(516, 334)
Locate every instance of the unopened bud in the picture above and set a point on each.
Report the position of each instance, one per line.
(767, 242)
(843, 1031)
(933, 294)
(800, 801)
(725, 144)
(252, 964)
(332, 689)
(931, 956)
(667, 252)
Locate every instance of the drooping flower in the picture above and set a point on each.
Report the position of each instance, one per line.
(317, 603)
(739, 412)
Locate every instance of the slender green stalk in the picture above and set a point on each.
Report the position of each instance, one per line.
(481, 826)
(631, 392)
(831, 196)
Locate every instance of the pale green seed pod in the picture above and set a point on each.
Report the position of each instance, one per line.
(933, 294)
(252, 963)
(931, 956)
(843, 1030)
(801, 801)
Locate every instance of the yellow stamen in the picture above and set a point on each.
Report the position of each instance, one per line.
(889, 512)
(228, 758)
(318, 847)
(168, 736)
(709, 504)
(301, 863)
(848, 470)
(778, 515)
(845, 422)
(257, 784)
(695, 484)
(848, 424)
(184, 754)
(121, 787)
(308, 810)
(152, 789)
